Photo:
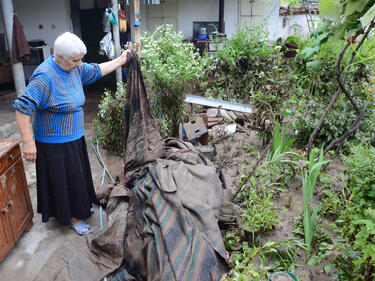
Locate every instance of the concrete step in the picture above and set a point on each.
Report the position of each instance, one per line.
(8, 130)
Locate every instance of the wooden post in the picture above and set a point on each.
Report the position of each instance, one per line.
(137, 24)
(116, 40)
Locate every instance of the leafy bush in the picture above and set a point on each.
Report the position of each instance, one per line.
(332, 203)
(256, 263)
(358, 218)
(171, 66)
(316, 84)
(242, 65)
(258, 214)
(110, 124)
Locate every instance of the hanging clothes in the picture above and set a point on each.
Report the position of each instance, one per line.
(107, 47)
(20, 47)
(122, 20)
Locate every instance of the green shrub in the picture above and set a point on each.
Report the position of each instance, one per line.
(317, 84)
(332, 203)
(171, 66)
(250, 71)
(256, 263)
(357, 221)
(110, 123)
(242, 65)
(258, 213)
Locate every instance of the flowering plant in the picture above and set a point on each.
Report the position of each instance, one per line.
(171, 66)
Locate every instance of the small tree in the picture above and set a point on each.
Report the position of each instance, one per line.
(171, 66)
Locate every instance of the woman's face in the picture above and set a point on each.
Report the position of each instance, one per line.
(70, 64)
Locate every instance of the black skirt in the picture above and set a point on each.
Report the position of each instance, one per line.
(64, 183)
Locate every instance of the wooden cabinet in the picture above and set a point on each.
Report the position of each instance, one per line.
(15, 205)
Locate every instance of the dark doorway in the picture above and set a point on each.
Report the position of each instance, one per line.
(91, 34)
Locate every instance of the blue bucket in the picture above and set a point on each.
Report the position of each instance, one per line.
(201, 36)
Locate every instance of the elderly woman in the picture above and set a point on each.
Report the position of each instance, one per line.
(55, 93)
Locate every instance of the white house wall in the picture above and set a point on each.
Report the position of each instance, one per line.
(278, 26)
(52, 15)
(262, 12)
(208, 10)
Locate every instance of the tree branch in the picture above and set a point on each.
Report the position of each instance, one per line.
(354, 128)
(337, 94)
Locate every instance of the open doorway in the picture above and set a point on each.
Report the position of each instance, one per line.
(87, 17)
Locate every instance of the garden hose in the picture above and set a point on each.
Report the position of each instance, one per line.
(105, 171)
(99, 156)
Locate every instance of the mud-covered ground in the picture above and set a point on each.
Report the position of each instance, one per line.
(236, 153)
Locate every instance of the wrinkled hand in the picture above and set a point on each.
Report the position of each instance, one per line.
(29, 151)
(123, 56)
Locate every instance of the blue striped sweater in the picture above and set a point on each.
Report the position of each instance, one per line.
(56, 96)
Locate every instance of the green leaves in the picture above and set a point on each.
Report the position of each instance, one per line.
(314, 65)
(358, 218)
(349, 15)
(368, 17)
(309, 179)
(330, 9)
(109, 125)
(171, 66)
(307, 53)
(354, 7)
(280, 145)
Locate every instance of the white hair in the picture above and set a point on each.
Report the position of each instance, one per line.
(69, 45)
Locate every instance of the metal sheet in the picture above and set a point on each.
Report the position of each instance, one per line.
(217, 103)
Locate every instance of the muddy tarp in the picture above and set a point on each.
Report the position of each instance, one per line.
(175, 207)
(163, 224)
(143, 142)
(175, 204)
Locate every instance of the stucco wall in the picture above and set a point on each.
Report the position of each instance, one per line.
(263, 12)
(284, 26)
(266, 13)
(52, 15)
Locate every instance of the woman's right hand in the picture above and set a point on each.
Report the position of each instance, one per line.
(29, 151)
(23, 124)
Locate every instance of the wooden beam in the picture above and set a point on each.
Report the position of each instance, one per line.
(116, 40)
(137, 19)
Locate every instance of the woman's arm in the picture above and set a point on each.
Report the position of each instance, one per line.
(109, 66)
(24, 127)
